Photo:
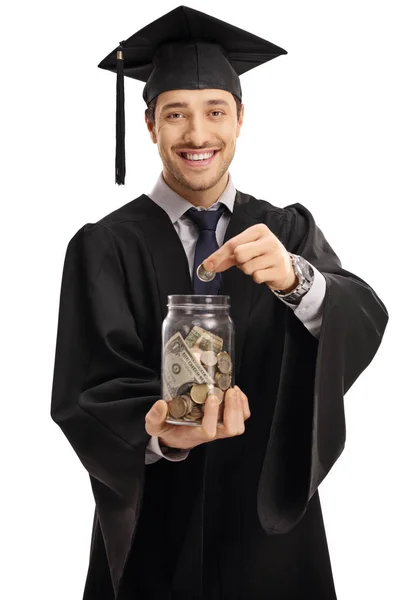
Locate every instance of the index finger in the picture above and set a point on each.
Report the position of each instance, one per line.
(224, 257)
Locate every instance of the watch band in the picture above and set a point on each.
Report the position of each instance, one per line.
(305, 275)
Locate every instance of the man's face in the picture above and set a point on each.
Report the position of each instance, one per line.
(192, 125)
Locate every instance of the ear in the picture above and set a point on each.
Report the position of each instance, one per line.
(151, 128)
(240, 121)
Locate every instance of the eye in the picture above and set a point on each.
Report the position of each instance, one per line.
(217, 111)
(174, 115)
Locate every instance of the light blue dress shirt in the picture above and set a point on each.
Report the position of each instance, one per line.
(309, 310)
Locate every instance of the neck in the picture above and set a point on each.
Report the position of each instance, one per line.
(204, 198)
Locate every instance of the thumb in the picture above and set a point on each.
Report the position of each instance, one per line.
(155, 417)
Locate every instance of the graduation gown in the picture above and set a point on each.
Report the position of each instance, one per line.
(240, 518)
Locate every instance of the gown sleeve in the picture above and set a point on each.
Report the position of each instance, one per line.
(101, 388)
(308, 429)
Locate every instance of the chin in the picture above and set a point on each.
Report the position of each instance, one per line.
(199, 183)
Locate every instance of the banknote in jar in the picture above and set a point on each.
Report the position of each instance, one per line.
(194, 367)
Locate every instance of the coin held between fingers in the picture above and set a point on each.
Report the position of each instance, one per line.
(204, 275)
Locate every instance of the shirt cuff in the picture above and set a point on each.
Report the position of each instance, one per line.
(310, 308)
(154, 452)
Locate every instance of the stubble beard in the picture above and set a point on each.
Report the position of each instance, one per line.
(199, 186)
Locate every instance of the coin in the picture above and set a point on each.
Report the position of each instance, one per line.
(216, 391)
(189, 401)
(224, 362)
(211, 371)
(178, 407)
(208, 358)
(196, 414)
(223, 380)
(204, 275)
(190, 417)
(199, 393)
(185, 388)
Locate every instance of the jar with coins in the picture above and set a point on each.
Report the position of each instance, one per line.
(197, 355)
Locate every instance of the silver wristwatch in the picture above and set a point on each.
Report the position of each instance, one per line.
(305, 275)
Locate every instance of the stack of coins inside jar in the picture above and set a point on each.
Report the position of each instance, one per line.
(195, 367)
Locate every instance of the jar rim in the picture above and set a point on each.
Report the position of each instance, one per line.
(203, 300)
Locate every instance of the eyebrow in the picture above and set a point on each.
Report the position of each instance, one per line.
(216, 102)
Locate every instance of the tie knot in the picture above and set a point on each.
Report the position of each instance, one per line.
(206, 219)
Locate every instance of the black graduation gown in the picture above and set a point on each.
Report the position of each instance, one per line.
(240, 518)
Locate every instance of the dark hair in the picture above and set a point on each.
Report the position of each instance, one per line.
(150, 111)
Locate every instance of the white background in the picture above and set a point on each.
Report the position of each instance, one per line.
(321, 128)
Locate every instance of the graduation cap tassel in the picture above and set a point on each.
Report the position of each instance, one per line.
(120, 167)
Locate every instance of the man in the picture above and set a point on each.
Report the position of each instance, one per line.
(228, 511)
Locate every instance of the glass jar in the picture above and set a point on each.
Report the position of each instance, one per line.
(197, 355)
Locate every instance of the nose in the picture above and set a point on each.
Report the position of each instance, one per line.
(196, 133)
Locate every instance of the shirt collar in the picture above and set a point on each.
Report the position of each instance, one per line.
(175, 206)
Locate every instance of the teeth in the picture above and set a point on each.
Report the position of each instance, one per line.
(197, 156)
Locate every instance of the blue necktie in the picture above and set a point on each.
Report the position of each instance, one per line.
(206, 220)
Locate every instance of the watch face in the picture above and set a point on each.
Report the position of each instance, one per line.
(298, 269)
(302, 269)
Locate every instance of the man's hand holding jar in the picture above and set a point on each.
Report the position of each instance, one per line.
(236, 412)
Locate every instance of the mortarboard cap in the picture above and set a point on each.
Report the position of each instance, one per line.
(183, 49)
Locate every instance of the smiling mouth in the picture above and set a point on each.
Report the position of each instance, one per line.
(198, 159)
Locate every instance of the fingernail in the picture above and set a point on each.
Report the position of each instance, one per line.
(213, 400)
